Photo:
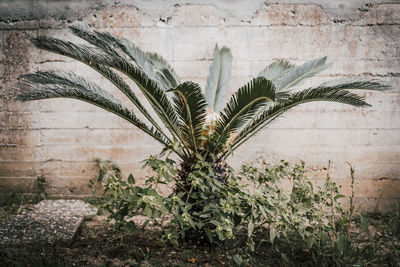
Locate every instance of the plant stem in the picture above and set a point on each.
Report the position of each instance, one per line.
(190, 191)
(351, 210)
(328, 181)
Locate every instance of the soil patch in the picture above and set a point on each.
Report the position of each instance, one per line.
(97, 244)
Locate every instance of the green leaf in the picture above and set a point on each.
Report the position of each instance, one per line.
(320, 93)
(156, 214)
(339, 196)
(276, 69)
(342, 245)
(43, 85)
(298, 73)
(131, 180)
(241, 107)
(355, 84)
(174, 241)
(272, 234)
(250, 228)
(216, 88)
(216, 223)
(90, 56)
(209, 234)
(130, 226)
(192, 223)
(148, 211)
(324, 238)
(152, 64)
(190, 106)
(221, 236)
(309, 242)
(285, 258)
(105, 55)
(125, 193)
(200, 225)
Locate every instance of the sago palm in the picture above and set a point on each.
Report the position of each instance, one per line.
(195, 123)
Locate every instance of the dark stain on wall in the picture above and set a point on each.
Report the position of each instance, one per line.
(16, 61)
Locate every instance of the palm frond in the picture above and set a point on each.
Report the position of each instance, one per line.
(355, 84)
(298, 73)
(83, 53)
(217, 82)
(322, 93)
(92, 55)
(163, 70)
(276, 69)
(43, 85)
(94, 39)
(190, 105)
(152, 64)
(142, 76)
(154, 94)
(165, 78)
(140, 57)
(117, 80)
(242, 106)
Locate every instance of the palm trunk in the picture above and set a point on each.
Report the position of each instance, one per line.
(220, 172)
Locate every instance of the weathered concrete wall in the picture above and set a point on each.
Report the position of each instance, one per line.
(60, 138)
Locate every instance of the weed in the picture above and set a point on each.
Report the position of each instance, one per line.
(15, 201)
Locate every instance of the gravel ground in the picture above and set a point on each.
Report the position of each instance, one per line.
(49, 221)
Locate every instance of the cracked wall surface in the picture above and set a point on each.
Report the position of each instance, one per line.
(59, 138)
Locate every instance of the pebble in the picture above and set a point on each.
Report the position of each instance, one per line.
(49, 221)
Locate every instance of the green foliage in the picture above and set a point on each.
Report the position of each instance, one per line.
(108, 170)
(197, 122)
(394, 221)
(208, 201)
(40, 187)
(16, 201)
(304, 224)
(217, 82)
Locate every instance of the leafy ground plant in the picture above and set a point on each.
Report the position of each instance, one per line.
(15, 201)
(303, 225)
(370, 241)
(197, 126)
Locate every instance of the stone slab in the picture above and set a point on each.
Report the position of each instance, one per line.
(49, 221)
